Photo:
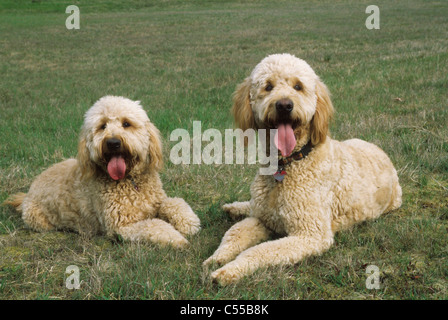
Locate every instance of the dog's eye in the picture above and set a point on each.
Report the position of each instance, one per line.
(103, 127)
(126, 124)
(298, 87)
(269, 87)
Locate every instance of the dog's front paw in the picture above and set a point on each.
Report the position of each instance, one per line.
(191, 227)
(173, 239)
(226, 275)
(237, 209)
(217, 258)
(178, 213)
(212, 260)
(208, 262)
(180, 243)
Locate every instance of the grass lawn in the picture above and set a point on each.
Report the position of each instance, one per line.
(183, 60)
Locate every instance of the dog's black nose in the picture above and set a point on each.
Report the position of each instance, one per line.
(113, 144)
(284, 106)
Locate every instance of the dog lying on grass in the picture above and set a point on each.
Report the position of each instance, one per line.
(113, 186)
(321, 186)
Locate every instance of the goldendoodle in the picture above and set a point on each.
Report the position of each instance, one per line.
(113, 186)
(321, 185)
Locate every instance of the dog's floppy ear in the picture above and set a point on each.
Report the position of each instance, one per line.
(323, 114)
(155, 157)
(83, 157)
(241, 110)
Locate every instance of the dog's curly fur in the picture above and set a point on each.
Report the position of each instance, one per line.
(337, 185)
(80, 194)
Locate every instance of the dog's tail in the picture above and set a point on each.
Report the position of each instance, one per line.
(15, 201)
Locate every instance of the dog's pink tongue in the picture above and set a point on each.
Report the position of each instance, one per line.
(116, 167)
(285, 141)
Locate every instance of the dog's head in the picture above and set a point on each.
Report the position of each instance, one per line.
(117, 138)
(284, 93)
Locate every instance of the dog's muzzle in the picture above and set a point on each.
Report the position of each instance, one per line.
(113, 144)
(284, 107)
(115, 158)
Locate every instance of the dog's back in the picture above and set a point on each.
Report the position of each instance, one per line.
(369, 183)
(49, 198)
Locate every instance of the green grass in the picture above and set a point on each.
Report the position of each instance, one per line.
(183, 60)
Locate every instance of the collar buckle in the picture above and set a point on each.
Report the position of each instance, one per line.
(295, 156)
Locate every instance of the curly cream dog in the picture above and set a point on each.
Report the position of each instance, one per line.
(113, 187)
(324, 185)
